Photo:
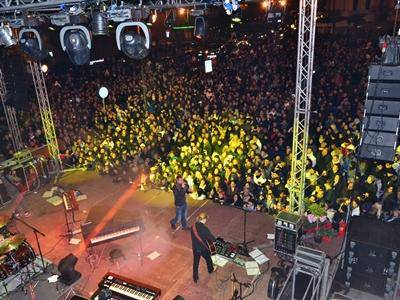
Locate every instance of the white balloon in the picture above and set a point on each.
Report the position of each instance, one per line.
(103, 92)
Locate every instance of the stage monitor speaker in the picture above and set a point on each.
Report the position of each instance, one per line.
(66, 267)
(379, 132)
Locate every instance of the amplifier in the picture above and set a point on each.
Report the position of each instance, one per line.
(287, 232)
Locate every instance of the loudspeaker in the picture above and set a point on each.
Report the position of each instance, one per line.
(66, 267)
(18, 82)
(372, 256)
(380, 126)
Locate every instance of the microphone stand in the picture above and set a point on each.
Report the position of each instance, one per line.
(238, 295)
(243, 245)
(36, 232)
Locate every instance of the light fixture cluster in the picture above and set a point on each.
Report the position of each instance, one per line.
(231, 6)
(132, 38)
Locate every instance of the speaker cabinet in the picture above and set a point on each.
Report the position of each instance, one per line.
(380, 125)
(372, 256)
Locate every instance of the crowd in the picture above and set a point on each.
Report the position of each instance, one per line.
(228, 132)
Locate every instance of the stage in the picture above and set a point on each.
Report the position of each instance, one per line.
(171, 271)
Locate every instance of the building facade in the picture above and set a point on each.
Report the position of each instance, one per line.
(351, 7)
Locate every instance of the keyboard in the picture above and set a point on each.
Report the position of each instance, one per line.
(114, 235)
(69, 200)
(109, 233)
(123, 288)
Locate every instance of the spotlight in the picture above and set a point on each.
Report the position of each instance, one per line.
(231, 6)
(131, 43)
(99, 24)
(154, 17)
(44, 68)
(6, 37)
(182, 11)
(199, 27)
(266, 4)
(75, 40)
(31, 43)
(282, 2)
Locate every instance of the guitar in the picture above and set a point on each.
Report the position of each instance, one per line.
(208, 244)
(211, 247)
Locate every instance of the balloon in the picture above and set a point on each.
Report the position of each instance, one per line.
(103, 92)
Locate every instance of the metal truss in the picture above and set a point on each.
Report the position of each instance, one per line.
(12, 6)
(45, 113)
(305, 58)
(11, 117)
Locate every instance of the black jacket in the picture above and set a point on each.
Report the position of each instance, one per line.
(180, 194)
(204, 234)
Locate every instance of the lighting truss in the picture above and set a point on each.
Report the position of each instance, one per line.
(9, 7)
(305, 58)
(11, 117)
(45, 114)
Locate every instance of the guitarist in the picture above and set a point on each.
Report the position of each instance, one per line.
(202, 242)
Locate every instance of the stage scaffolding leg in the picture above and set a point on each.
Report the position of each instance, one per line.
(11, 117)
(45, 114)
(305, 57)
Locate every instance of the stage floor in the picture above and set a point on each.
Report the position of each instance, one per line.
(172, 270)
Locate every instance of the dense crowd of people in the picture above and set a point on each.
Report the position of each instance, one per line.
(229, 132)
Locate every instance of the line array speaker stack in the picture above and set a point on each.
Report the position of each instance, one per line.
(372, 257)
(381, 113)
(18, 82)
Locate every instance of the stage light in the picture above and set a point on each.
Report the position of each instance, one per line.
(132, 43)
(31, 43)
(99, 24)
(154, 17)
(199, 27)
(76, 41)
(266, 4)
(182, 11)
(6, 37)
(45, 68)
(282, 2)
(230, 6)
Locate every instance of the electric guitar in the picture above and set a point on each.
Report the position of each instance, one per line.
(211, 247)
(208, 244)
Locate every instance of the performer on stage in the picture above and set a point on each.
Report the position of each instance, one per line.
(180, 190)
(201, 236)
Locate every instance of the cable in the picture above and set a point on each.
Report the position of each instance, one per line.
(54, 247)
(257, 280)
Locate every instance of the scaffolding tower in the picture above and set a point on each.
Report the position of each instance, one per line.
(45, 114)
(305, 57)
(11, 117)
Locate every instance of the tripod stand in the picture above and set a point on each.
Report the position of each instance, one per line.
(243, 248)
(238, 294)
(36, 232)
